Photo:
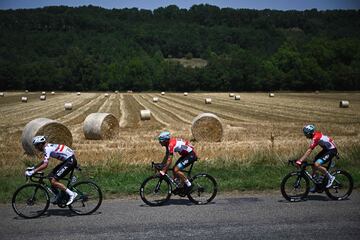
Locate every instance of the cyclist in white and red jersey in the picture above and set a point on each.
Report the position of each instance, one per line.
(187, 156)
(60, 152)
(328, 151)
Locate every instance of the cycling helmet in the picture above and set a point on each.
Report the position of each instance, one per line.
(164, 136)
(309, 130)
(38, 139)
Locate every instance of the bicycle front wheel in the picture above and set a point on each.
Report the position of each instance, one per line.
(89, 198)
(155, 190)
(30, 201)
(341, 187)
(204, 189)
(295, 187)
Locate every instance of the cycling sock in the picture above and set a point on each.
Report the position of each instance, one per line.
(187, 182)
(329, 175)
(69, 192)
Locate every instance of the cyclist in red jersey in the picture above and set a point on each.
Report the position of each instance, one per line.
(187, 156)
(328, 151)
(60, 152)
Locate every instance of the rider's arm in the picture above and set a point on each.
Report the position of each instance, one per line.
(306, 155)
(41, 166)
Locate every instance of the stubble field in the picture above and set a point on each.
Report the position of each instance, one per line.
(248, 124)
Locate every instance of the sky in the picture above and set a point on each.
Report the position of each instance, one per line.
(153, 4)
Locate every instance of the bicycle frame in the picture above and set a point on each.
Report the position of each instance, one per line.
(40, 176)
(171, 178)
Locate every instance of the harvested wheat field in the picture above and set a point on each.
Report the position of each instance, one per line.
(248, 124)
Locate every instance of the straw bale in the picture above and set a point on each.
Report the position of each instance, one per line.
(68, 106)
(207, 127)
(55, 132)
(207, 100)
(145, 114)
(100, 126)
(43, 97)
(344, 104)
(24, 99)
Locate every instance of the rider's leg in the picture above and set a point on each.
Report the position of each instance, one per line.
(181, 175)
(61, 171)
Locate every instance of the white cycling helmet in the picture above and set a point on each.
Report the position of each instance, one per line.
(38, 139)
(164, 136)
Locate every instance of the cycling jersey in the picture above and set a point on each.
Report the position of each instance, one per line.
(183, 147)
(58, 151)
(323, 141)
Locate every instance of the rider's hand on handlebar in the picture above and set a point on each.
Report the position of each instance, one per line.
(298, 163)
(29, 173)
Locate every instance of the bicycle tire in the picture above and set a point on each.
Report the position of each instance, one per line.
(28, 196)
(297, 185)
(152, 193)
(200, 184)
(342, 179)
(89, 198)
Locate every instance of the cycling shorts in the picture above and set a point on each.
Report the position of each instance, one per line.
(185, 161)
(325, 156)
(62, 169)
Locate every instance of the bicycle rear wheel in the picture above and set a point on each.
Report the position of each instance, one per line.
(30, 200)
(342, 186)
(204, 189)
(155, 190)
(295, 187)
(89, 198)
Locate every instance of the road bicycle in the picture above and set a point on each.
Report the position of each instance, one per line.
(295, 186)
(157, 189)
(33, 199)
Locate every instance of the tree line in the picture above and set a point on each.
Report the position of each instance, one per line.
(91, 48)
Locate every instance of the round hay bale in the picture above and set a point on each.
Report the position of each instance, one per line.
(271, 95)
(207, 100)
(24, 99)
(43, 97)
(237, 97)
(2, 94)
(207, 127)
(78, 93)
(344, 104)
(185, 93)
(317, 92)
(52, 93)
(129, 91)
(53, 130)
(155, 99)
(106, 95)
(163, 93)
(145, 114)
(100, 126)
(68, 106)
(43, 93)
(26, 91)
(231, 94)
(116, 91)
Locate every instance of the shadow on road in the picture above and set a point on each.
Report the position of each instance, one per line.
(309, 198)
(182, 202)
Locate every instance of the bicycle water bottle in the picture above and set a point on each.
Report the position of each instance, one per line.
(177, 182)
(73, 179)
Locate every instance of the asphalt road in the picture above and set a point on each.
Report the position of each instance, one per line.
(239, 216)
